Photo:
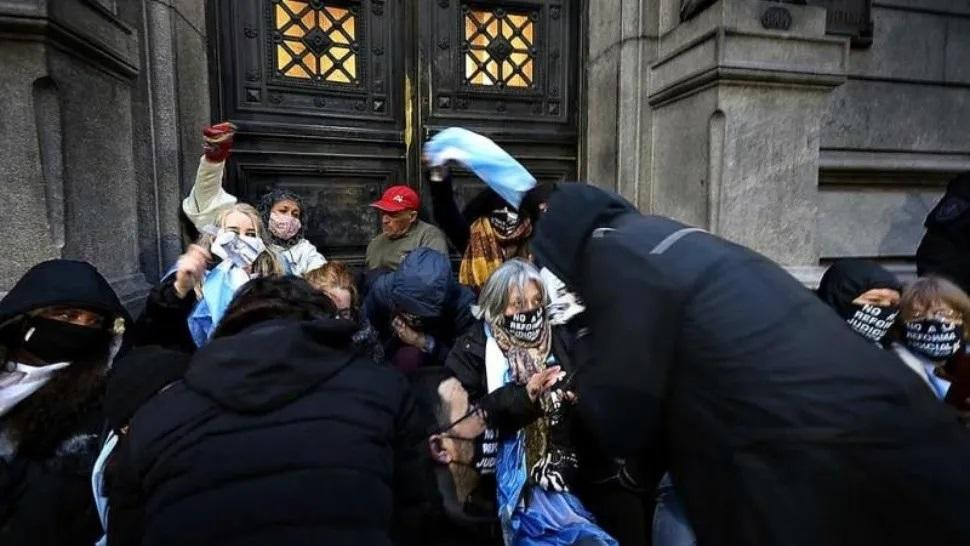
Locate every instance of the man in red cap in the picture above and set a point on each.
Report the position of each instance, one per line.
(401, 230)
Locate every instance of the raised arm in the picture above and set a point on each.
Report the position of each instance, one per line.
(445, 211)
(208, 199)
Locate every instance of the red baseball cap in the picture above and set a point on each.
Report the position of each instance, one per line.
(398, 198)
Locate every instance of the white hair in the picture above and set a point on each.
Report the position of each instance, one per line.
(514, 275)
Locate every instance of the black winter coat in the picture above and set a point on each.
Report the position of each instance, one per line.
(511, 408)
(945, 248)
(164, 320)
(779, 424)
(278, 435)
(45, 496)
(45, 484)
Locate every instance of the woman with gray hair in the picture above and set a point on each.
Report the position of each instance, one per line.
(517, 358)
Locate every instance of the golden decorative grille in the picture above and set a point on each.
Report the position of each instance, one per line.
(500, 48)
(316, 41)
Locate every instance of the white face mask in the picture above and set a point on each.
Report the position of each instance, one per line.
(18, 381)
(241, 250)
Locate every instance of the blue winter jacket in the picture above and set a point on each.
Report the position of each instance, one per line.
(424, 286)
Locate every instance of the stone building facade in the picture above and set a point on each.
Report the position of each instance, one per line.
(796, 141)
(99, 100)
(808, 132)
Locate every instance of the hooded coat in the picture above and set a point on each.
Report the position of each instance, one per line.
(305, 444)
(945, 248)
(424, 286)
(846, 280)
(45, 491)
(779, 425)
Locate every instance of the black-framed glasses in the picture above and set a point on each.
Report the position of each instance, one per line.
(475, 409)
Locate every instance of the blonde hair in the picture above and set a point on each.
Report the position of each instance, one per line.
(267, 264)
(334, 275)
(927, 291)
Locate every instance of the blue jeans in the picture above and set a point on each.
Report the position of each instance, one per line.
(670, 526)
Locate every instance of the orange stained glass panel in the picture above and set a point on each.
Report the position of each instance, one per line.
(499, 48)
(304, 53)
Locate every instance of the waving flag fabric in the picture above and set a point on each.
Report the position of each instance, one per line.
(506, 176)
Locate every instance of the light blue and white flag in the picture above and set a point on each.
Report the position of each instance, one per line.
(506, 176)
(218, 289)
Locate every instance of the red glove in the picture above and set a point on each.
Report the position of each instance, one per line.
(217, 141)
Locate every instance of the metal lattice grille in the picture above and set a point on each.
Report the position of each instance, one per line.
(316, 41)
(499, 48)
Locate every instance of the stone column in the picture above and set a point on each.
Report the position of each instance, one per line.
(737, 94)
(101, 106)
(66, 163)
(171, 108)
(622, 42)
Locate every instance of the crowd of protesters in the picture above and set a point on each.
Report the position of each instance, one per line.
(588, 375)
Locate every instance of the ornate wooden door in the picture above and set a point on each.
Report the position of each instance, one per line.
(334, 97)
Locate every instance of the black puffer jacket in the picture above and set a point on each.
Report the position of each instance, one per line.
(779, 424)
(279, 435)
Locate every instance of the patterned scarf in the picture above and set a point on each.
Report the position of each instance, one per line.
(488, 249)
(524, 362)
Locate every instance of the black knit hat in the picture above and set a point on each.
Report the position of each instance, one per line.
(63, 282)
(137, 377)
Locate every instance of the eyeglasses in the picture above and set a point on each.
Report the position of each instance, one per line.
(475, 409)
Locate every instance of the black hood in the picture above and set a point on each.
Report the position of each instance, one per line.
(573, 211)
(272, 363)
(62, 282)
(848, 279)
(953, 210)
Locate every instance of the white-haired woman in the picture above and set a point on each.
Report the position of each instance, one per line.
(209, 272)
(522, 362)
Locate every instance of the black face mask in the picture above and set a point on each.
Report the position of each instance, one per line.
(57, 341)
(934, 339)
(872, 321)
(484, 452)
(526, 327)
(485, 449)
(505, 221)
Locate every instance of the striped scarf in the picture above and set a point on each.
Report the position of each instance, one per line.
(487, 250)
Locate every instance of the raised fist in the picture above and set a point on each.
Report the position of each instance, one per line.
(190, 269)
(217, 141)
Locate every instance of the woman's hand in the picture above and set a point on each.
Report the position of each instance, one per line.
(542, 381)
(408, 335)
(190, 269)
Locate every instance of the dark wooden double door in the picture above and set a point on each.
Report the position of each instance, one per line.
(334, 99)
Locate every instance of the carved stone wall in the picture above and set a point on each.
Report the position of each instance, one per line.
(99, 98)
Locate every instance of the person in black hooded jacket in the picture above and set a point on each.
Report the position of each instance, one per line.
(864, 294)
(307, 443)
(60, 327)
(945, 248)
(779, 425)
